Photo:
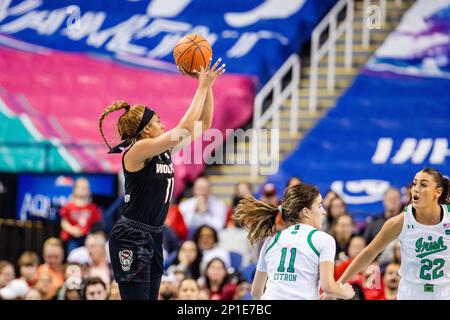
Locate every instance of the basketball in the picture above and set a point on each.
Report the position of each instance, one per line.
(191, 52)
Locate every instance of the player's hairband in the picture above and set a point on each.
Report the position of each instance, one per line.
(283, 212)
(148, 114)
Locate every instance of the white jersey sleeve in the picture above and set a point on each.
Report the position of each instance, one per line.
(262, 264)
(326, 246)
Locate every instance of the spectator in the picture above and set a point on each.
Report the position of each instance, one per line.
(188, 290)
(53, 253)
(342, 230)
(203, 208)
(234, 239)
(207, 239)
(44, 285)
(78, 216)
(99, 266)
(33, 294)
(390, 254)
(328, 197)
(168, 288)
(216, 281)
(81, 255)
(335, 209)
(355, 246)
(114, 292)
(95, 289)
(293, 181)
(7, 273)
(188, 260)
(391, 280)
(241, 190)
(72, 287)
(175, 221)
(269, 194)
(28, 265)
(392, 206)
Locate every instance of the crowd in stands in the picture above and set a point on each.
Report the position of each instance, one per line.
(206, 255)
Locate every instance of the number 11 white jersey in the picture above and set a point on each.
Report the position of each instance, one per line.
(291, 259)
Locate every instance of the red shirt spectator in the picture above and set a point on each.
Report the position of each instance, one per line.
(83, 217)
(175, 221)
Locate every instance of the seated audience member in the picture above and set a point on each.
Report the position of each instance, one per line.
(82, 256)
(168, 288)
(392, 206)
(53, 254)
(216, 281)
(100, 266)
(335, 209)
(7, 273)
(342, 231)
(28, 264)
(234, 239)
(207, 239)
(188, 289)
(356, 245)
(293, 181)
(241, 190)
(391, 280)
(203, 207)
(72, 288)
(95, 289)
(188, 260)
(44, 285)
(78, 215)
(330, 195)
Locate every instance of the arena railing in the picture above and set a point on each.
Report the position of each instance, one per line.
(335, 29)
(283, 84)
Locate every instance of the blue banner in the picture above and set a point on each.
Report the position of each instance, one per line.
(382, 131)
(254, 37)
(391, 122)
(40, 196)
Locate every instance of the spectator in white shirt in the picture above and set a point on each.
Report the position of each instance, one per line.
(203, 208)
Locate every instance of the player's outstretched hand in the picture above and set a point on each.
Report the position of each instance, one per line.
(207, 75)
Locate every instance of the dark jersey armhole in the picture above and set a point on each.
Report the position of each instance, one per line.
(134, 172)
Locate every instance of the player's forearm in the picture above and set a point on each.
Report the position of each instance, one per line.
(195, 109)
(360, 263)
(208, 111)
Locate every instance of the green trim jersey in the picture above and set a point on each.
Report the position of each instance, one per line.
(425, 251)
(291, 260)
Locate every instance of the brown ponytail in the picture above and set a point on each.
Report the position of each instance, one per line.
(114, 107)
(259, 217)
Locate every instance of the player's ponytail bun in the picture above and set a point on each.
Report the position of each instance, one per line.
(257, 217)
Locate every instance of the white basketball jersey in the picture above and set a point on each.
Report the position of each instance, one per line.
(425, 251)
(291, 259)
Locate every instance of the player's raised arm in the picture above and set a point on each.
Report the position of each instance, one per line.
(388, 233)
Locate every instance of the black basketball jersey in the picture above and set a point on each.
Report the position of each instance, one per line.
(148, 191)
